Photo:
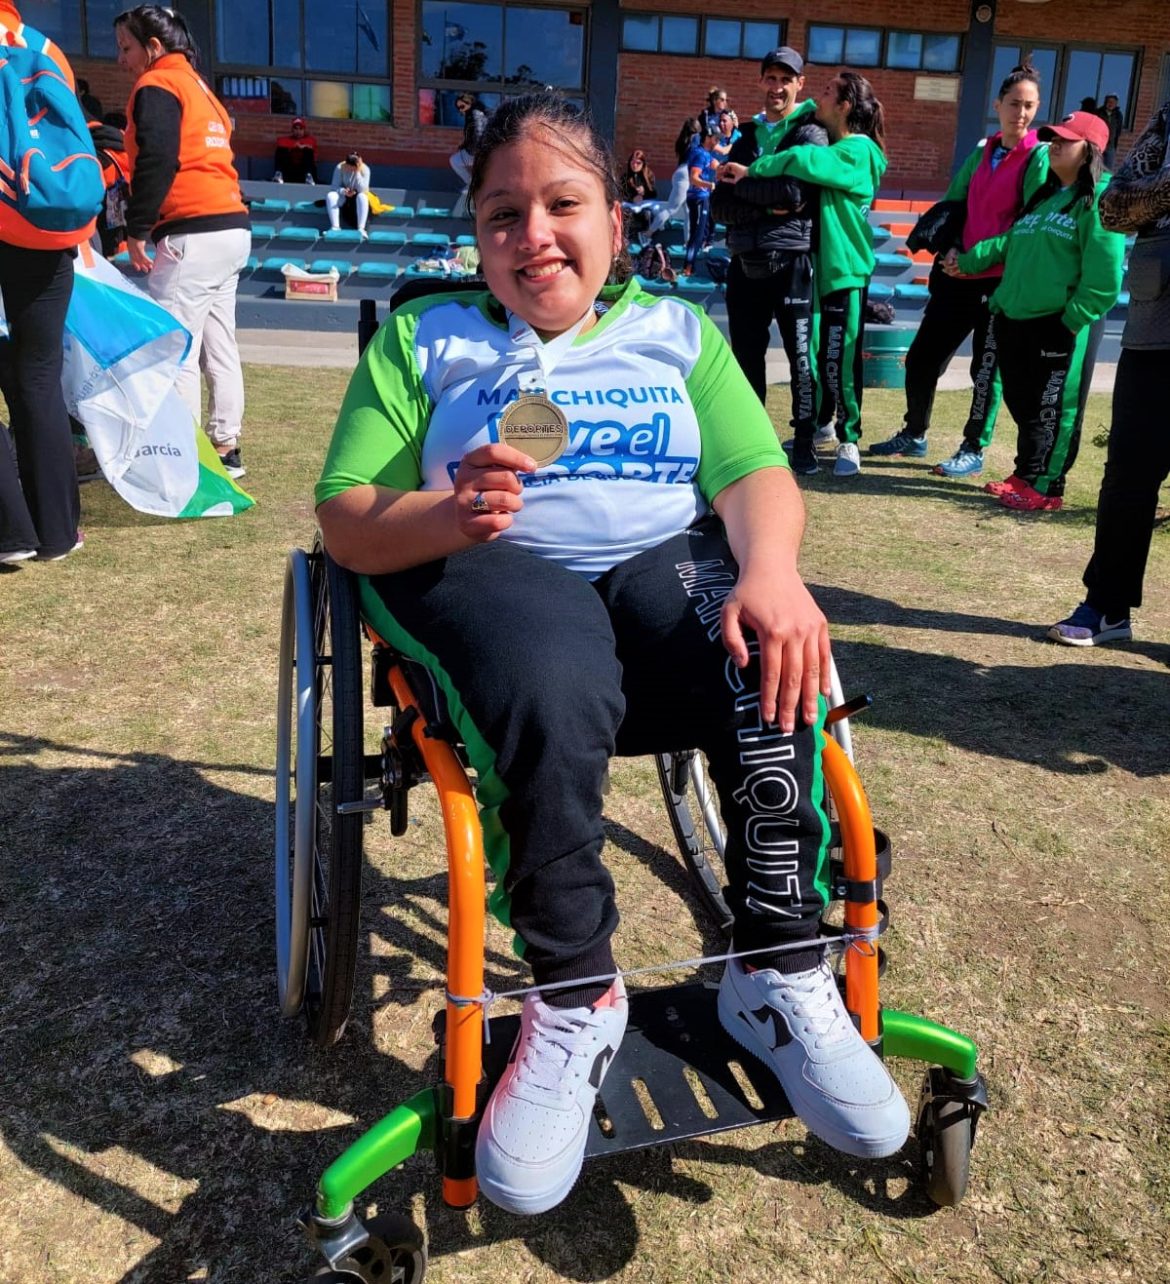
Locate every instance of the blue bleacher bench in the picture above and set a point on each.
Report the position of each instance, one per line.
(308, 235)
(343, 235)
(382, 271)
(433, 211)
(880, 290)
(263, 231)
(310, 207)
(380, 236)
(892, 262)
(276, 261)
(270, 206)
(431, 240)
(912, 291)
(344, 266)
(465, 239)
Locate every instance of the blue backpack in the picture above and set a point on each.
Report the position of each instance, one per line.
(51, 184)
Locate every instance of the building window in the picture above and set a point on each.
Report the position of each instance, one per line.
(289, 96)
(922, 51)
(870, 47)
(84, 27)
(1068, 76)
(844, 46)
(263, 53)
(713, 37)
(495, 49)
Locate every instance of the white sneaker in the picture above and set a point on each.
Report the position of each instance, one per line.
(364, 234)
(17, 555)
(312, 182)
(825, 438)
(848, 460)
(798, 1025)
(531, 1142)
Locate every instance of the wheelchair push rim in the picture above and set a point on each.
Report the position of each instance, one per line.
(318, 845)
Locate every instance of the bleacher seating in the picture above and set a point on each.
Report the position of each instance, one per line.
(290, 225)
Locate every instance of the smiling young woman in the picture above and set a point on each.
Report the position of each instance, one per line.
(558, 606)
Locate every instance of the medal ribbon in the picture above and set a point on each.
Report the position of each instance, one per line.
(546, 356)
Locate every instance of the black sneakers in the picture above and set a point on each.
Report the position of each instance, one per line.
(231, 462)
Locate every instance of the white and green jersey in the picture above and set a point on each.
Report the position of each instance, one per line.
(661, 419)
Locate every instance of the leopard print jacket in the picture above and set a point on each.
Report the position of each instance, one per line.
(1138, 198)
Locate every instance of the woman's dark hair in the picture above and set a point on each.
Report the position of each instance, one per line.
(646, 176)
(865, 111)
(686, 137)
(1084, 186)
(1025, 71)
(548, 111)
(164, 25)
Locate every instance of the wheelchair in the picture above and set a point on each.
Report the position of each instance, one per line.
(325, 785)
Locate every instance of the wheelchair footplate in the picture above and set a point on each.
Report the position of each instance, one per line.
(676, 1075)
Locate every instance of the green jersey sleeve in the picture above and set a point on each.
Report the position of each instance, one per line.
(845, 166)
(384, 415)
(736, 434)
(961, 183)
(1102, 269)
(984, 254)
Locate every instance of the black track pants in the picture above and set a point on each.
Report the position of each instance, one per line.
(39, 509)
(839, 361)
(956, 308)
(1137, 463)
(1046, 373)
(787, 296)
(547, 675)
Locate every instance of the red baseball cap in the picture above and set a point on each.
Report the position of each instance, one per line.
(1078, 124)
(297, 120)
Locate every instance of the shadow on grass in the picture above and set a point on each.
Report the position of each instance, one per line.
(1071, 716)
(148, 1073)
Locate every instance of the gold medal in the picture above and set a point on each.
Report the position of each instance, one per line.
(534, 425)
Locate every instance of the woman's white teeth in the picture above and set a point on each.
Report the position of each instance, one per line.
(545, 269)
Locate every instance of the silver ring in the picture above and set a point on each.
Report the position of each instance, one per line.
(479, 504)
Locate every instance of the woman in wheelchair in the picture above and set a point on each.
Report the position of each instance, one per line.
(564, 499)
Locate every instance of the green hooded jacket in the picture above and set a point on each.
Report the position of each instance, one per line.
(848, 173)
(1056, 259)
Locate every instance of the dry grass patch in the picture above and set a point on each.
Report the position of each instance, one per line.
(161, 1124)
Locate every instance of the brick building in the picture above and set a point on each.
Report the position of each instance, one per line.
(382, 75)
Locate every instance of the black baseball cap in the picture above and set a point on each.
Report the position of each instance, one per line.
(785, 56)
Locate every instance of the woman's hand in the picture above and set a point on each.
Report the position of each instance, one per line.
(488, 490)
(137, 252)
(950, 263)
(732, 172)
(793, 637)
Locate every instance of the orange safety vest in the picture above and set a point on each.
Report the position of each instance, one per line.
(206, 181)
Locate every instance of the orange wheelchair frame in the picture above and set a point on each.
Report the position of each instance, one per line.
(321, 797)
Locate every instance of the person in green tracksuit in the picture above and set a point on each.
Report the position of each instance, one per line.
(848, 172)
(1062, 273)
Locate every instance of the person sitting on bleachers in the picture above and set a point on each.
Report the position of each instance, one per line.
(295, 159)
(349, 195)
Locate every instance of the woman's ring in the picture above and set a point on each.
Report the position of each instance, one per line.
(479, 504)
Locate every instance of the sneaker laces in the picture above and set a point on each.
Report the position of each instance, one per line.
(816, 1001)
(558, 1035)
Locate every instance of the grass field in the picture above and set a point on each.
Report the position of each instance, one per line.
(162, 1124)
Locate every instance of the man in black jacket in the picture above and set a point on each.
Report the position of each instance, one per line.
(769, 232)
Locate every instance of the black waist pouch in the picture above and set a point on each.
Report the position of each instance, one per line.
(758, 265)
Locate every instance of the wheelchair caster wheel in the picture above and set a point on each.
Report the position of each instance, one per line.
(394, 1253)
(947, 1114)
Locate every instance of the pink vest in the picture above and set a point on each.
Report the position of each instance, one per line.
(995, 198)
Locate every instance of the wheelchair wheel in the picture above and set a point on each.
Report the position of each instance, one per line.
(693, 810)
(319, 766)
